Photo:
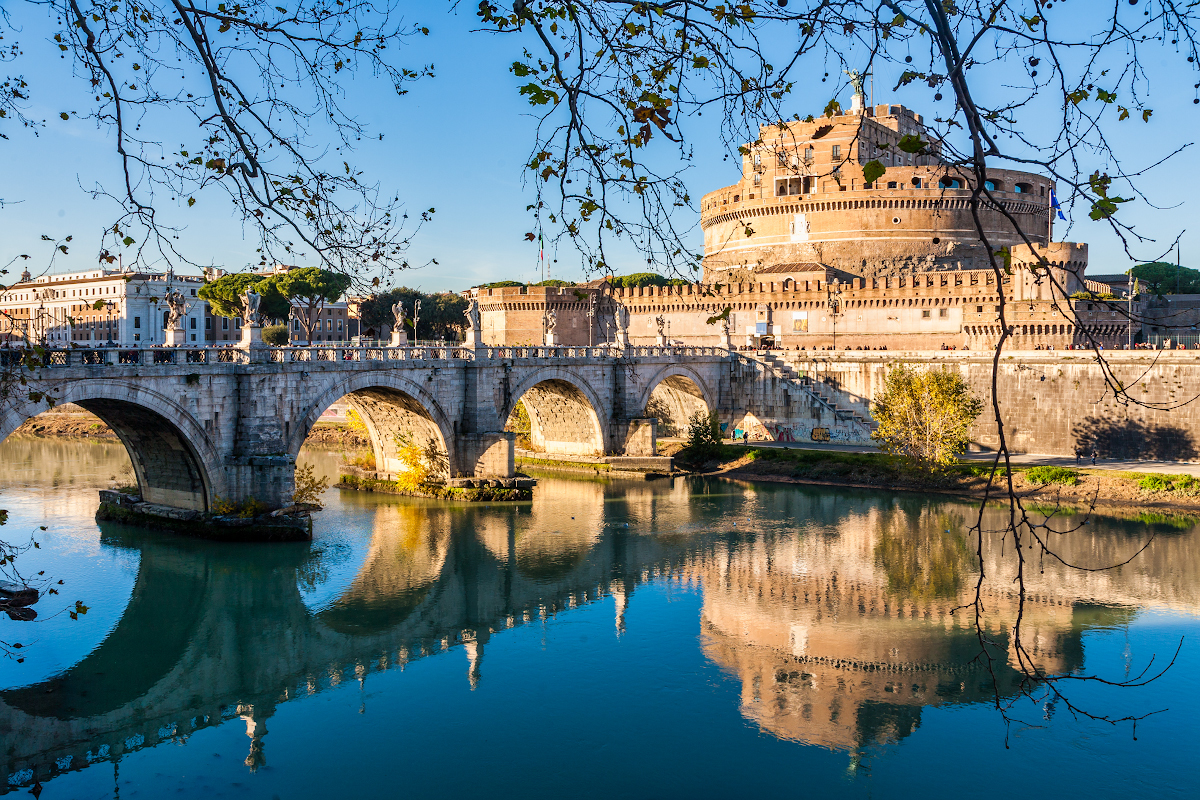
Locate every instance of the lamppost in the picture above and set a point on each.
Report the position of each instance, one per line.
(833, 296)
(1129, 315)
(416, 316)
(591, 315)
(108, 309)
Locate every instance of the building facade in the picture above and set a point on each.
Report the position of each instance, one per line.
(96, 307)
(124, 308)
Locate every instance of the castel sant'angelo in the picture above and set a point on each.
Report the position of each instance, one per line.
(803, 249)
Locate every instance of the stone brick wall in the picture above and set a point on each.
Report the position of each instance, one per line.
(1053, 402)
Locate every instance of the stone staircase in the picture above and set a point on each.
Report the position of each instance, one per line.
(823, 394)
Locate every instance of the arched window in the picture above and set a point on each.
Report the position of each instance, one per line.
(950, 183)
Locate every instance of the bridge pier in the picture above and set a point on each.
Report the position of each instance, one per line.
(638, 437)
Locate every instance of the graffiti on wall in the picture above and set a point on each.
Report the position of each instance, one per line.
(801, 431)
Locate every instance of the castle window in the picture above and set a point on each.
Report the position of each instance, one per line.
(1023, 188)
(836, 152)
(891, 184)
(978, 309)
(943, 312)
(916, 182)
(757, 179)
(926, 314)
(758, 159)
(950, 183)
(808, 155)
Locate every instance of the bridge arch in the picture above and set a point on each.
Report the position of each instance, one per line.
(390, 405)
(564, 412)
(174, 459)
(402, 571)
(679, 390)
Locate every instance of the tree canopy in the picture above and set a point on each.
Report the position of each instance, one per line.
(924, 416)
(640, 279)
(225, 295)
(1159, 277)
(442, 313)
(313, 283)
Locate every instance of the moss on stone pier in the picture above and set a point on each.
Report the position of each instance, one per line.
(475, 494)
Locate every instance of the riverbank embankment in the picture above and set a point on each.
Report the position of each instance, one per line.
(1040, 486)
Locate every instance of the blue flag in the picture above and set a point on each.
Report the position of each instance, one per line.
(1054, 205)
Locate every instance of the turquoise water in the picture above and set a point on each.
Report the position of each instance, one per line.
(663, 639)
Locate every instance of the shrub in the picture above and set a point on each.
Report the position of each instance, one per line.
(246, 509)
(309, 487)
(276, 335)
(419, 465)
(1044, 475)
(364, 459)
(1181, 484)
(704, 431)
(1155, 483)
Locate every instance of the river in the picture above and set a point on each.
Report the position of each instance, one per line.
(687, 638)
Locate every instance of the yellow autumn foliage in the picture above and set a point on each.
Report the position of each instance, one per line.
(924, 416)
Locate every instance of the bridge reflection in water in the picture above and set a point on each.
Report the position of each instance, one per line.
(835, 612)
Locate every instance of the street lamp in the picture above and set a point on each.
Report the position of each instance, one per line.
(833, 296)
(108, 309)
(591, 315)
(416, 317)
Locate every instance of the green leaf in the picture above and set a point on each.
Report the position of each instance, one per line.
(834, 107)
(912, 144)
(128, 240)
(65, 115)
(873, 171)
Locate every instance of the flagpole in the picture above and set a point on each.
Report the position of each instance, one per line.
(1050, 217)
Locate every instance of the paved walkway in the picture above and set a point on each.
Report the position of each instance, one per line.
(1120, 465)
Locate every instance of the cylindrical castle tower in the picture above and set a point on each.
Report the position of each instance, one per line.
(803, 199)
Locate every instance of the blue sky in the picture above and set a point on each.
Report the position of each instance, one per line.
(457, 143)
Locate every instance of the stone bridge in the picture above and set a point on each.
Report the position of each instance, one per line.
(208, 423)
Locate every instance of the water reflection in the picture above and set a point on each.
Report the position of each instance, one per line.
(835, 612)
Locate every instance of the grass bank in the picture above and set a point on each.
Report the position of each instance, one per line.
(1045, 486)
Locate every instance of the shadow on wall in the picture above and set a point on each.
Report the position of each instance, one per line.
(1130, 438)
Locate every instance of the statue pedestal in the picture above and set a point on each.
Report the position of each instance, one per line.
(252, 337)
(399, 338)
(175, 337)
(472, 339)
(551, 340)
(661, 341)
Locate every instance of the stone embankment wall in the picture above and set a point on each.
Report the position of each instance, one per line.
(770, 402)
(1052, 402)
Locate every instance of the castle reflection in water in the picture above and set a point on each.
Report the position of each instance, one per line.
(836, 612)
